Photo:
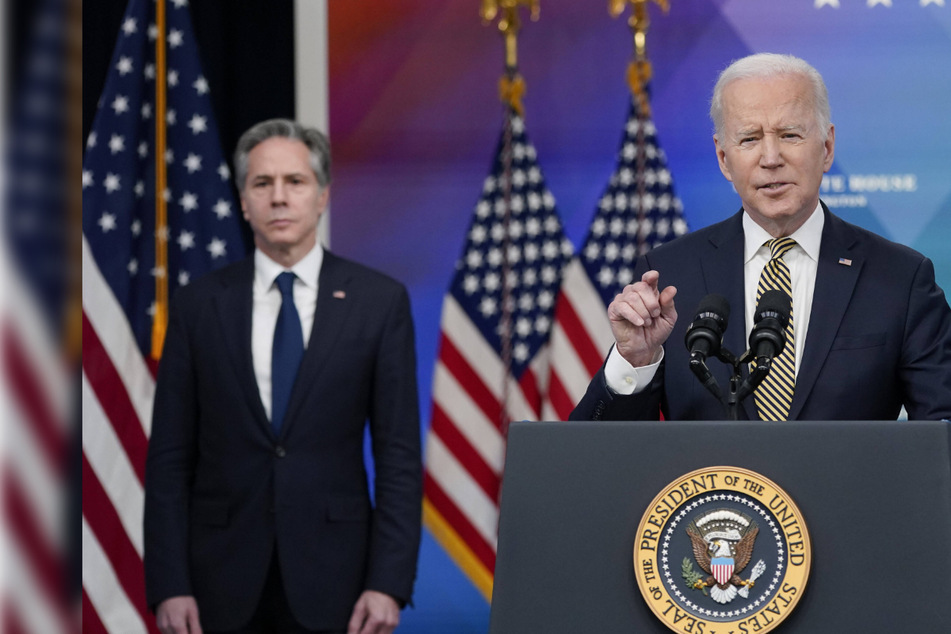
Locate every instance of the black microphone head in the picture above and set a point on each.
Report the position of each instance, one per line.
(774, 304)
(717, 306)
(705, 332)
(770, 321)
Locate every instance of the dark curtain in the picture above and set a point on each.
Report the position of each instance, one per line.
(247, 51)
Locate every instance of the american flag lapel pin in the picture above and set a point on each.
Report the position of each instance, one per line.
(343, 294)
(845, 261)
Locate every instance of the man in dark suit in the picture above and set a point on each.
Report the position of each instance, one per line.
(258, 516)
(870, 330)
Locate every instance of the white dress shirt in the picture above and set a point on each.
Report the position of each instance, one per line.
(803, 262)
(267, 304)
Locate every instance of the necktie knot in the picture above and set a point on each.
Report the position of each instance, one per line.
(285, 282)
(778, 247)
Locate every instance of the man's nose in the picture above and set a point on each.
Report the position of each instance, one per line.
(771, 152)
(278, 194)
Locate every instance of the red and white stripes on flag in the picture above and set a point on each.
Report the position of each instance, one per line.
(637, 211)
(38, 432)
(580, 339)
(117, 390)
(38, 351)
(491, 369)
(123, 237)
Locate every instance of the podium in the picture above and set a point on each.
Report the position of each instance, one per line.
(876, 497)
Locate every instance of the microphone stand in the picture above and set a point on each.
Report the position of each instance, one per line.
(741, 390)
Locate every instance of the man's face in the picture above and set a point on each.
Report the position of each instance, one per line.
(771, 149)
(282, 200)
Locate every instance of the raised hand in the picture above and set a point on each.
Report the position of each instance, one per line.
(642, 317)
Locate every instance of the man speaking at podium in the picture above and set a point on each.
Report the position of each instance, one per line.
(868, 329)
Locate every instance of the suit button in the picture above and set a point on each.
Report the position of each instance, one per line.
(280, 452)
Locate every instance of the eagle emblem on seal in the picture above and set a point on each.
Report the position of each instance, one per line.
(722, 541)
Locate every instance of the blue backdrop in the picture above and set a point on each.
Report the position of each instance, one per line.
(415, 117)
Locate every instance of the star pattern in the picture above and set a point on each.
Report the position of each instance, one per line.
(119, 162)
(511, 267)
(632, 217)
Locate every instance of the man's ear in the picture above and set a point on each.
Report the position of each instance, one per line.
(721, 159)
(830, 149)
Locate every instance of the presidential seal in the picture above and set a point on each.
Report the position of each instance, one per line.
(722, 550)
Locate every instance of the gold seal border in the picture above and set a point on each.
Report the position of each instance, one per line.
(714, 480)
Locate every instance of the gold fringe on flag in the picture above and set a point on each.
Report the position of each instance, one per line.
(639, 71)
(511, 86)
(511, 91)
(638, 76)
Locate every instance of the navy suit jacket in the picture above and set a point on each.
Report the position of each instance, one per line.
(223, 493)
(879, 332)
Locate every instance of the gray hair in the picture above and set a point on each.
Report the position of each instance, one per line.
(315, 140)
(766, 65)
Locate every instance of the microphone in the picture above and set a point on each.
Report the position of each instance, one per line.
(705, 333)
(770, 321)
(704, 337)
(767, 338)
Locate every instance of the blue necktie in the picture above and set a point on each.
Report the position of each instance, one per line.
(287, 352)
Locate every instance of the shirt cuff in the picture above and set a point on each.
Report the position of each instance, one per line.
(623, 378)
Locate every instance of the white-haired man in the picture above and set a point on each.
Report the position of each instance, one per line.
(870, 331)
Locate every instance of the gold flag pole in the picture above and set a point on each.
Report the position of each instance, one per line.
(639, 70)
(160, 318)
(74, 205)
(511, 86)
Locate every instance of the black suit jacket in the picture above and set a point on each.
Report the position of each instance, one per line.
(223, 493)
(879, 332)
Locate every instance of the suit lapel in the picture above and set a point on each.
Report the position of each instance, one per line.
(726, 256)
(233, 304)
(835, 282)
(334, 300)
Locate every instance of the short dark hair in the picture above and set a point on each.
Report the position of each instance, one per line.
(315, 140)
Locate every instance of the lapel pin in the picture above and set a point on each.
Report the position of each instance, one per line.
(343, 294)
(845, 261)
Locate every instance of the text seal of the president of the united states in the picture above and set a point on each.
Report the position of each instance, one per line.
(722, 550)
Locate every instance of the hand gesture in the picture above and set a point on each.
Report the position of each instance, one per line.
(642, 317)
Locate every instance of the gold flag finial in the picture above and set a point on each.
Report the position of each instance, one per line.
(511, 86)
(639, 70)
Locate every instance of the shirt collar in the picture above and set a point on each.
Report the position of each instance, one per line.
(307, 268)
(808, 236)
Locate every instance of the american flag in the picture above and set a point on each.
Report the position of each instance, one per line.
(637, 211)
(119, 284)
(496, 321)
(38, 355)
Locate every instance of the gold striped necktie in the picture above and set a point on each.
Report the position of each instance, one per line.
(774, 395)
